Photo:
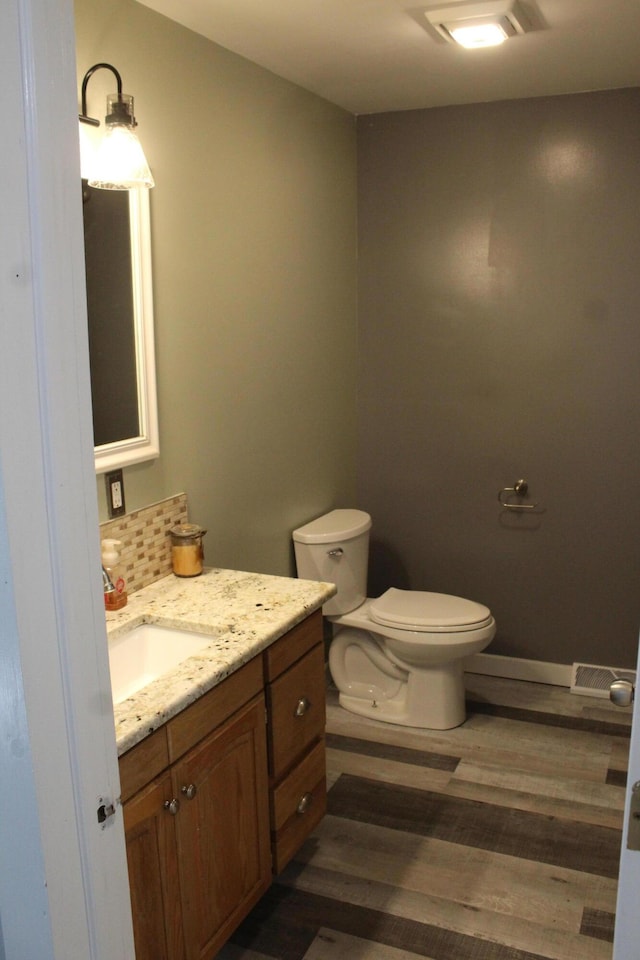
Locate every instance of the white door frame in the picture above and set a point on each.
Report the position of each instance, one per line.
(627, 931)
(63, 884)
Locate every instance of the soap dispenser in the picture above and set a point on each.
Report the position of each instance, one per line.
(115, 593)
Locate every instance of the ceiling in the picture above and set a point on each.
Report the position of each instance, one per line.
(373, 56)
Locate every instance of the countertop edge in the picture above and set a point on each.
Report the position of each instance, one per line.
(243, 612)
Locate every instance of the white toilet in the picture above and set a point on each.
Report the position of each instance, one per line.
(398, 658)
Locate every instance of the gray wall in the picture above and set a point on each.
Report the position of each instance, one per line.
(254, 255)
(499, 250)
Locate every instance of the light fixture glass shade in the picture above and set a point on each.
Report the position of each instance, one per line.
(487, 33)
(120, 163)
(117, 161)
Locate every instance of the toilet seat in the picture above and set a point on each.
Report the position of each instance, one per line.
(420, 611)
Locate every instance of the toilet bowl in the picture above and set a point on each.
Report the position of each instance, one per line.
(400, 657)
(415, 669)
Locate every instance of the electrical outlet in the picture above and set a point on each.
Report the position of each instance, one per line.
(115, 493)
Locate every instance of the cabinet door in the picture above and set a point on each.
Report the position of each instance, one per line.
(153, 873)
(223, 829)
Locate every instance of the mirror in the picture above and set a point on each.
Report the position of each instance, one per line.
(120, 310)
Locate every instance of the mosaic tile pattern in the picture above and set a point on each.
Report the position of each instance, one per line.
(146, 546)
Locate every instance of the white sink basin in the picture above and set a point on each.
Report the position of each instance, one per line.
(146, 653)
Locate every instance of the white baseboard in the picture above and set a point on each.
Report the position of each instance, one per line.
(537, 671)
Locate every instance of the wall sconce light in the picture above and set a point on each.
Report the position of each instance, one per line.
(117, 161)
(484, 23)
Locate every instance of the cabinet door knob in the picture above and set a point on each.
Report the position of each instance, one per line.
(172, 806)
(302, 706)
(190, 791)
(304, 803)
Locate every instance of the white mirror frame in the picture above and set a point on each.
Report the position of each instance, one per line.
(146, 446)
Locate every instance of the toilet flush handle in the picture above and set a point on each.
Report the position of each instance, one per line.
(335, 553)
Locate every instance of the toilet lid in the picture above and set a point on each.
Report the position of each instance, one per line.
(417, 610)
(333, 527)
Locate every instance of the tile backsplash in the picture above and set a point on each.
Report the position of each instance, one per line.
(146, 545)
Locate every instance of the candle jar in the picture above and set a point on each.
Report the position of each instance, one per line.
(187, 552)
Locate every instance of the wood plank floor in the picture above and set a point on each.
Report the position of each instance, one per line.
(498, 840)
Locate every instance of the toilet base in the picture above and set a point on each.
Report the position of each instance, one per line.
(431, 699)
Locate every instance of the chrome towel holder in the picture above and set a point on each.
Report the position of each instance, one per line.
(519, 489)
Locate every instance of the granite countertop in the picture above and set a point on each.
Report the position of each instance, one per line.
(243, 612)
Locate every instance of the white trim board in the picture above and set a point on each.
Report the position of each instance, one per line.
(537, 671)
(67, 892)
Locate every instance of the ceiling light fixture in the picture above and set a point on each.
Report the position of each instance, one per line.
(118, 161)
(484, 23)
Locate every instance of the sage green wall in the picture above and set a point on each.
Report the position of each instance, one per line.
(254, 255)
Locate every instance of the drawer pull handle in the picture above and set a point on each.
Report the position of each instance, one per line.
(305, 803)
(190, 791)
(302, 706)
(172, 806)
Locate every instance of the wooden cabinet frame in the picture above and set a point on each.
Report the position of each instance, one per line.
(222, 796)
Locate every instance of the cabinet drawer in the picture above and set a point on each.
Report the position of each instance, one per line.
(299, 803)
(212, 709)
(297, 711)
(143, 762)
(293, 645)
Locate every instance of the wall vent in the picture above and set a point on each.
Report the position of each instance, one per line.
(592, 681)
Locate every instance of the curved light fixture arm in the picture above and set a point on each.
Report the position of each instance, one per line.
(117, 162)
(90, 72)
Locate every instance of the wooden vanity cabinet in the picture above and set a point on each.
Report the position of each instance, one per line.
(198, 834)
(295, 685)
(223, 795)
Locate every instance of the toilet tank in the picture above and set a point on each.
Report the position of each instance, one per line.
(334, 548)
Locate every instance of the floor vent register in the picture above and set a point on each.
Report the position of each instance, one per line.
(593, 681)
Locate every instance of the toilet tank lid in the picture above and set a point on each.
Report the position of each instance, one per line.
(334, 526)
